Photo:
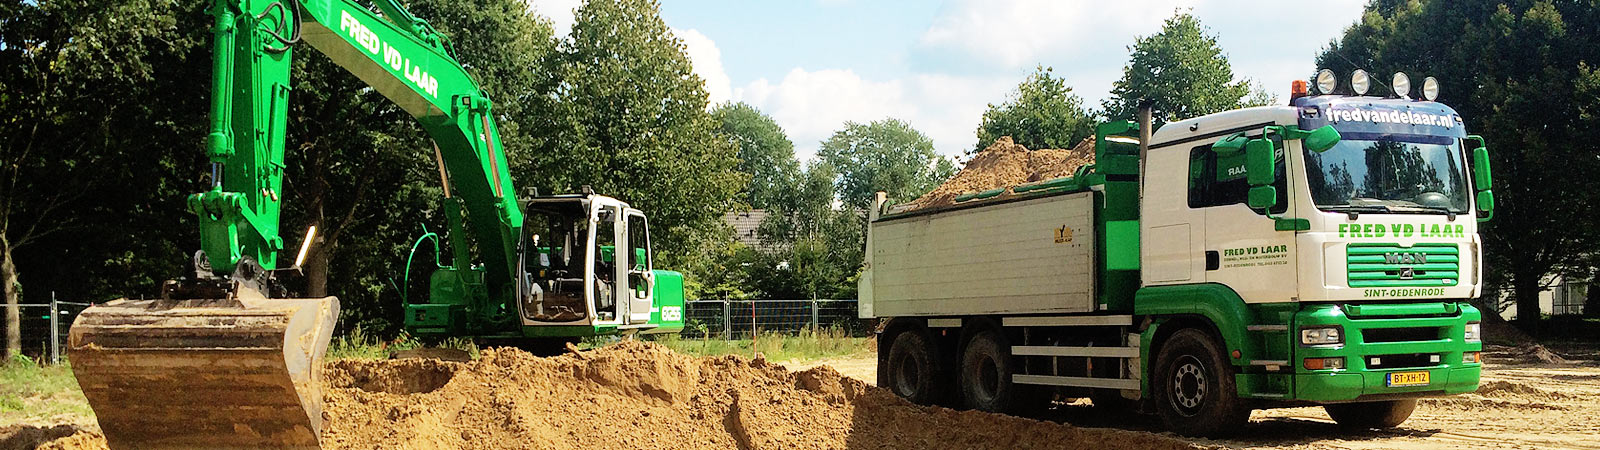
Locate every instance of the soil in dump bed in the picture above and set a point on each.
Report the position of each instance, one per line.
(638, 395)
(1006, 163)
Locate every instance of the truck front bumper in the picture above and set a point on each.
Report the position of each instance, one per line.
(1373, 385)
(1378, 344)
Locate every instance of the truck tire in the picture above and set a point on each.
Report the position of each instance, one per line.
(986, 369)
(1194, 387)
(1385, 414)
(913, 370)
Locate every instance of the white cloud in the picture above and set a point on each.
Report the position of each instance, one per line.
(707, 60)
(1087, 42)
(811, 105)
(560, 13)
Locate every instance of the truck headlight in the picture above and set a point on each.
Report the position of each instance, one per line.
(1472, 333)
(1322, 335)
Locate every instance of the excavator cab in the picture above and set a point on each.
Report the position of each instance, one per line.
(573, 271)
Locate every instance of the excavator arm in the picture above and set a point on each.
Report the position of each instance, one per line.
(223, 360)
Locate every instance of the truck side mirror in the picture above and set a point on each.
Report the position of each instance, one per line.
(1263, 197)
(1321, 139)
(1481, 178)
(1260, 162)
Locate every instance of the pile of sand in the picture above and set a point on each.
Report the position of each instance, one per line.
(1006, 163)
(636, 395)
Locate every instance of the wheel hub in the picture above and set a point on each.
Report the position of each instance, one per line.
(906, 377)
(1188, 386)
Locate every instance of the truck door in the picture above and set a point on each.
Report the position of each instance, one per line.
(1244, 251)
(640, 281)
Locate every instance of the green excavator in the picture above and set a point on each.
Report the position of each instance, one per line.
(229, 358)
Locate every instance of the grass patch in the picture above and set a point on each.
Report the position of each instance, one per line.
(357, 344)
(825, 343)
(30, 392)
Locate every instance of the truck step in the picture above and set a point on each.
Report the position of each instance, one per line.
(1268, 328)
(1067, 321)
(1097, 352)
(1051, 380)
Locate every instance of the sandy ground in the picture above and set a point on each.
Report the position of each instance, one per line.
(654, 398)
(1519, 406)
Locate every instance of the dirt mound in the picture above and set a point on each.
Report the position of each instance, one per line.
(1516, 390)
(30, 436)
(1006, 163)
(636, 395)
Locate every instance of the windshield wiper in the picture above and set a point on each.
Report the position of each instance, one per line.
(1355, 211)
(1448, 212)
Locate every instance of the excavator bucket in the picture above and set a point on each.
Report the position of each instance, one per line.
(219, 373)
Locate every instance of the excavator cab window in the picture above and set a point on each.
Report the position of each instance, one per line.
(558, 235)
(605, 263)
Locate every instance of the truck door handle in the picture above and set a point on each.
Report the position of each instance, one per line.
(1213, 260)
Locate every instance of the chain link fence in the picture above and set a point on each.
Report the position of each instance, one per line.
(44, 328)
(738, 319)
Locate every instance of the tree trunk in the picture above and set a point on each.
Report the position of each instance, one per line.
(8, 276)
(1526, 288)
(316, 268)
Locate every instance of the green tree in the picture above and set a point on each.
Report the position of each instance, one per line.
(1181, 71)
(1041, 113)
(1520, 74)
(765, 153)
(629, 119)
(89, 120)
(885, 155)
(819, 244)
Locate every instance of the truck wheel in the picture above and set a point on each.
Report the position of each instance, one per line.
(1385, 414)
(913, 368)
(986, 370)
(1194, 387)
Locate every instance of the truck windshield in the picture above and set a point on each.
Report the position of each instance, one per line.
(1369, 172)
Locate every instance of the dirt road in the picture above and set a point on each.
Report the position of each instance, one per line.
(1519, 406)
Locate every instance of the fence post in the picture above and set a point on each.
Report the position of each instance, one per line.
(55, 330)
(727, 320)
(814, 323)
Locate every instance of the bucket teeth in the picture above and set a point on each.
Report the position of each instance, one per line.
(223, 373)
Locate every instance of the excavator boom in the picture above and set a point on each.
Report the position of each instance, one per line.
(223, 360)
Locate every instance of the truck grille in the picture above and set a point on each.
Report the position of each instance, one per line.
(1382, 335)
(1391, 265)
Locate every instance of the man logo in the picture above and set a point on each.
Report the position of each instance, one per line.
(1405, 258)
(1063, 235)
(1407, 273)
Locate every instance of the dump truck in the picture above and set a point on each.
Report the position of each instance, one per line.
(229, 356)
(1321, 252)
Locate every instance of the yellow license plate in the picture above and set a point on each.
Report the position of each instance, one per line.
(1397, 379)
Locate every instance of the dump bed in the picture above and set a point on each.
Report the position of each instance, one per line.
(1023, 256)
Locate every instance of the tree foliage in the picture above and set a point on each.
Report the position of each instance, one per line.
(1182, 73)
(885, 155)
(765, 153)
(91, 111)
(819, 244)
(1041, 113)
(1521, 74)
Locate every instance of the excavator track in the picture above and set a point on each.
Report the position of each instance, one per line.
(239, 372)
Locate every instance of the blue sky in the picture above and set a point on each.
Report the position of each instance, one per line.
(814, 64)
